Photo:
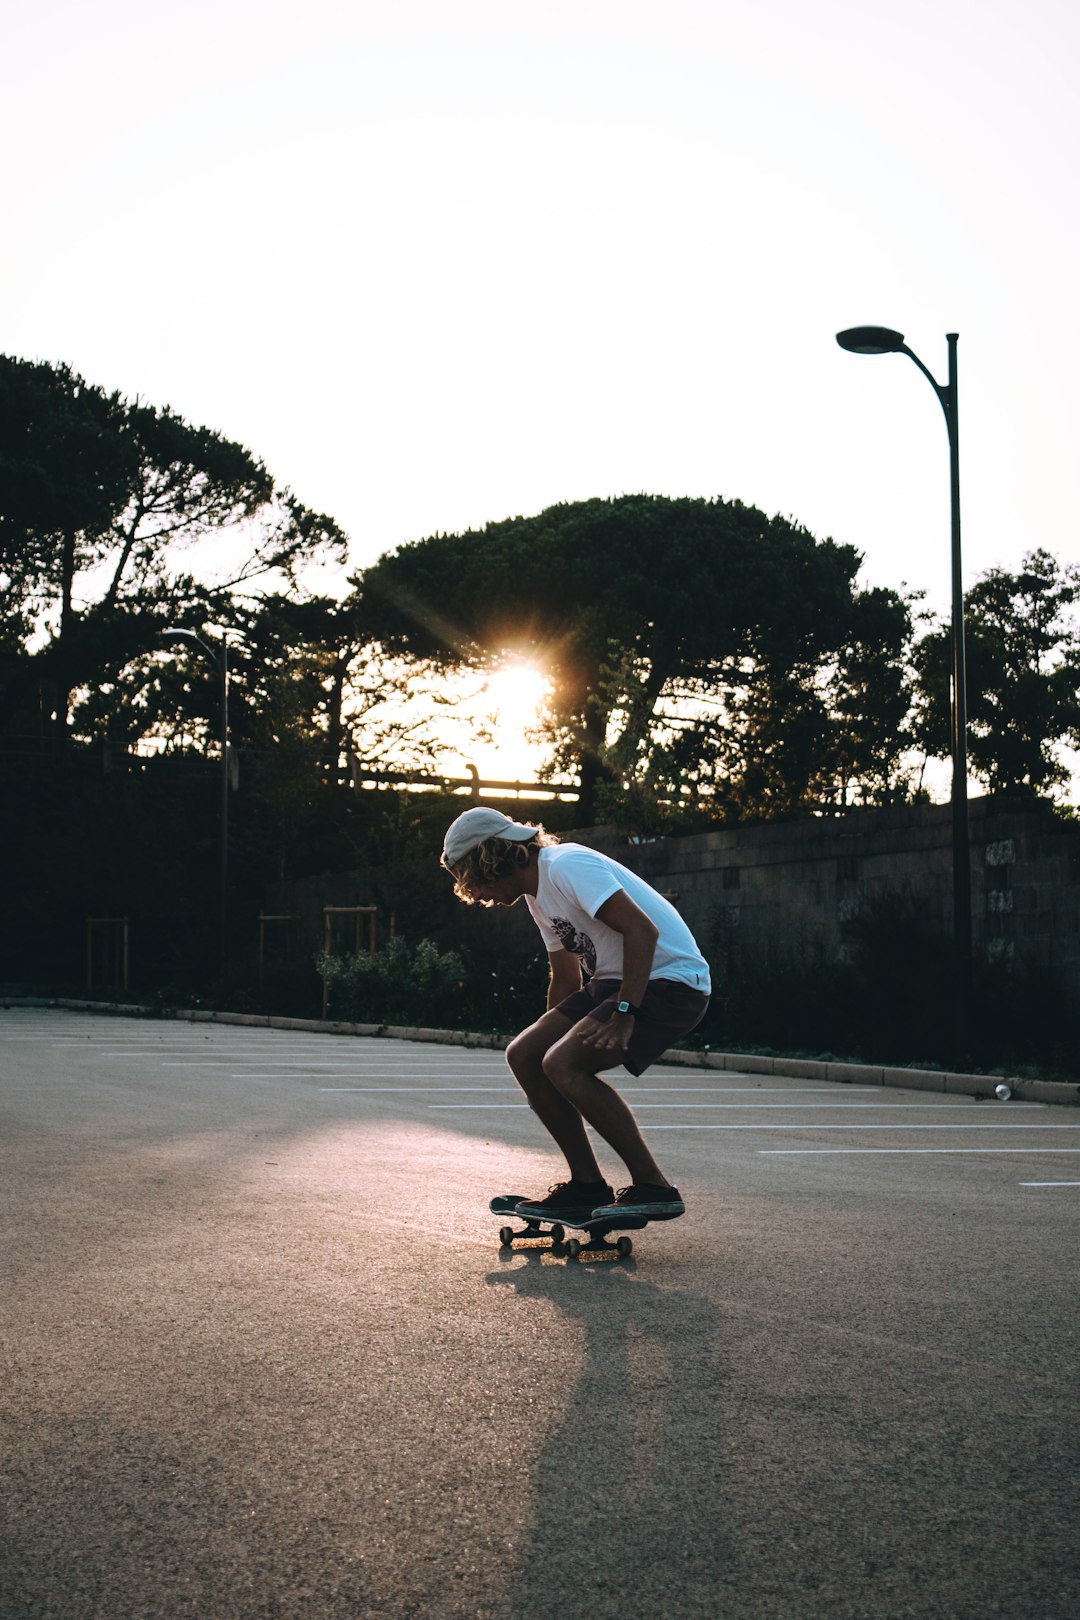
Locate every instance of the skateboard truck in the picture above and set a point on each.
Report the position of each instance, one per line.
(537, 1231)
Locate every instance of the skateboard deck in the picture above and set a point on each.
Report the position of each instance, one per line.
(552, 1234)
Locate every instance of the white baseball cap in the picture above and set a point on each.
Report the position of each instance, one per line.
(474, 826)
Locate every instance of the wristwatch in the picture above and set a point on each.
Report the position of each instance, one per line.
(628, 1007)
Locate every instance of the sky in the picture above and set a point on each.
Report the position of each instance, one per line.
(442, 262)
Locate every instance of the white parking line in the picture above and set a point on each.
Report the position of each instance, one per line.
(817, 1129)
(787, 1153)
(793, 1125)
(300, 1071)
(741, 1091)
(1049, 1183)
(284, 1067)
(694, 1091)
(738, 1107)
(368, 1091)
(404, 1089)
(804, 1108)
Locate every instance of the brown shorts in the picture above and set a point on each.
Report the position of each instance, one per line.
(669, 1009)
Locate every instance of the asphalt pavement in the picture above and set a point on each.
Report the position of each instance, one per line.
(263, 1354)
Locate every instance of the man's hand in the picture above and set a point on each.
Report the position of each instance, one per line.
(612, 1038)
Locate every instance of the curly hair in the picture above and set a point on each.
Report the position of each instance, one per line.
(495, 858)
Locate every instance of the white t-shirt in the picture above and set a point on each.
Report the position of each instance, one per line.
(574, 882)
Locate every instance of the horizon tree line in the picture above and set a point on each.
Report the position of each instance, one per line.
(707, 662)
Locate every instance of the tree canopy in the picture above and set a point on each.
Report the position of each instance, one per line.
(703, 657)
(101, 499)
(670, 628)
(1022, 644)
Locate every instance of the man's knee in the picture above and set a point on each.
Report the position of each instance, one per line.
(563, 1063)
(525, 1053)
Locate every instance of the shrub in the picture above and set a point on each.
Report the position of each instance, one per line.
(424, 987)
(505, 992)
(399, 984)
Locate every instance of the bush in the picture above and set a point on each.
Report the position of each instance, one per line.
(399, 984)
(506, 992)
(424, 987)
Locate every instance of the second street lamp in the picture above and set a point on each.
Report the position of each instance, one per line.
(220, 661)
(883, 340)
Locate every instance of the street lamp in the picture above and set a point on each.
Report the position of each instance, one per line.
(882, 340)
(220, 661)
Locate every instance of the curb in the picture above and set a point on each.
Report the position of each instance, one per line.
(861, 1074)
(845, 1074)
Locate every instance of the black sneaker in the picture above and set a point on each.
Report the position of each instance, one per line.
(645, 1201)
(569, 1201)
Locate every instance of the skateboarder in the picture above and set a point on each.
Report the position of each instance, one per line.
(627, 981)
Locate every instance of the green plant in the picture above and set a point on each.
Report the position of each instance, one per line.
(398, 984)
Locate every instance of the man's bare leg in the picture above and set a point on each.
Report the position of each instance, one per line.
(559, 1116)
(570, 1067)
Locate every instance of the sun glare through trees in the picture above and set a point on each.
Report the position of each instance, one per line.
(507, 712)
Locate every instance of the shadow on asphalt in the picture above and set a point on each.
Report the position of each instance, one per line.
(628, 1489)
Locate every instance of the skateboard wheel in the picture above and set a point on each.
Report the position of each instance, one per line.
(573, 1248)
(506, 1236)
(557, 1233)
(625, 1246)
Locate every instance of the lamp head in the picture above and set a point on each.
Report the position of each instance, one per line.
(870, 340)
(193, 640)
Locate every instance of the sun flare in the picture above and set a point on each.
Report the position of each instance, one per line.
(514, 694)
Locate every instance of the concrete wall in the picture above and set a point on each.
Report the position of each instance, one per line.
(793, 884)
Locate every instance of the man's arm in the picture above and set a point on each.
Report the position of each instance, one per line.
(639, 936)
(565, 977)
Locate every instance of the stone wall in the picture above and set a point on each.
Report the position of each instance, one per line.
(790, 885)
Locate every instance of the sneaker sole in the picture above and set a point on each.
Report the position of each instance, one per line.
(554, 1217)
(639, 1212)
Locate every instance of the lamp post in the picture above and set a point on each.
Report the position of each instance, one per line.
(882, 340)
(220, 661)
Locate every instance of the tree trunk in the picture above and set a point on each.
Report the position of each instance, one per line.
(592, 772)
(62, 686)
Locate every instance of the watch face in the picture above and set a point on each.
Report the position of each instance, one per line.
(623, 1007)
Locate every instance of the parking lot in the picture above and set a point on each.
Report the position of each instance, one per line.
(265, 1356)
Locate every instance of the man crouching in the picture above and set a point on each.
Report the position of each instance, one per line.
(627, 982)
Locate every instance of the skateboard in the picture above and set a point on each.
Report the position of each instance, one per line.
(554, 1232)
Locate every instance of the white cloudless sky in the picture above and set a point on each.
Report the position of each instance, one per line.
(440, 262)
